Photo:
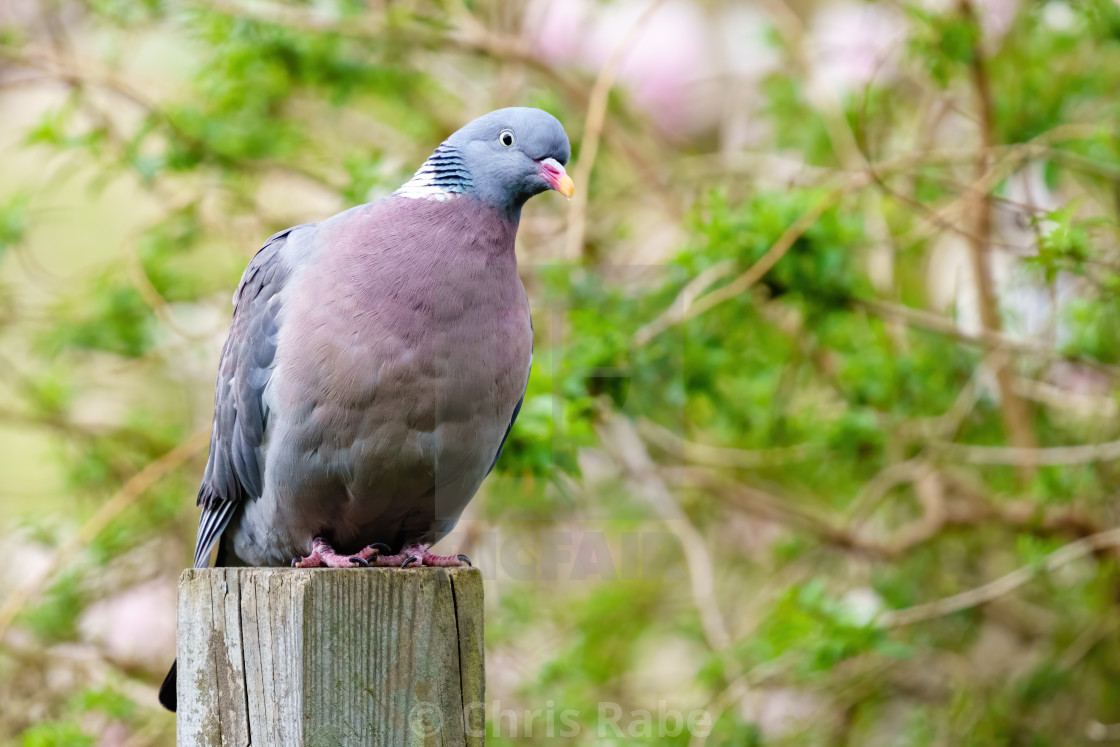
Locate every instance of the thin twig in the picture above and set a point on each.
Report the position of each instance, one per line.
(986, 338)
(619, 436)
(94, 525)
(780, 509)
(593, 130)
(1096, 632)
(1055, 397)
(939, 514)
(768, 260)
(1014, 409)
(691, 291)
(736, 691)
(1004, 585)
(721, 456)
(679, 312)
(884, 481)
(842, 136)
(946, 425)
(1051, 456)
(151, 295)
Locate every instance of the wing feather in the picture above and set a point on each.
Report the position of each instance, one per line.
(516, 409)
(235, 470)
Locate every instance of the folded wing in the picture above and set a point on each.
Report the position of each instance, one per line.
(234, 472)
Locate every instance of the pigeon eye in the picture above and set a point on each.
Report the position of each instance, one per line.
(506, 138)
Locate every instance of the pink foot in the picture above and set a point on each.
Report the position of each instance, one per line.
(323, 555)
(416, 554)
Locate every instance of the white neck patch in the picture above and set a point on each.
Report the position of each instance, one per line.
(443, 176)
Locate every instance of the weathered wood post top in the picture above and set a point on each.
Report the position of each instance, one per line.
(363, 656)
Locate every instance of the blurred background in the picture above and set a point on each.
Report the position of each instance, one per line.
(821, 444)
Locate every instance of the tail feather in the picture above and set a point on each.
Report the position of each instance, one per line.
(168, 696)
(168, 692)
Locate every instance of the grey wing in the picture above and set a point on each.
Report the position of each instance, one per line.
(516, 409)
(509, 428)
(234, 472)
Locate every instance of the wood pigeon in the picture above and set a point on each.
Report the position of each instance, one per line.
(376, 362)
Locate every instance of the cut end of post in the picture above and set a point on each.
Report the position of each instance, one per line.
(292, 656)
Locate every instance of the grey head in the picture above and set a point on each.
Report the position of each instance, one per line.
(502, 159)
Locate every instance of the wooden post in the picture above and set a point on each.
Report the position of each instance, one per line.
(366, 656)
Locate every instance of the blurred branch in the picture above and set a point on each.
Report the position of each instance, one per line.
(593, 130)
(1004, 160)
(919, 467)
(86, 72)
(83, 73)
(306, 18)
(1023, 515)
(1097, 631)
(78, 661)
(151, 295)
(1054, 397)
(679, 312)
(841, 133)
(795, 172)
(129, 492)
(1005, 154)
(1015, 411)
(1050, 456)
(939, 512)
(1004, 585)
(474, 37)
(738, 689)
(468, 36)
(783, 510)
(693, 289)
(683, 308)
(946, 425)
(719, 456)
(85, 432)
(884, 481)
(25, 387)
(620, 438)
(985, 337)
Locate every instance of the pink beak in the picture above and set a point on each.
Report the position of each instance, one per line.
(557, 177)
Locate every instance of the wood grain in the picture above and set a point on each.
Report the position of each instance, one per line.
(365, 656)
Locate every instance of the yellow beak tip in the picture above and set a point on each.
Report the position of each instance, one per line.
(566, 186)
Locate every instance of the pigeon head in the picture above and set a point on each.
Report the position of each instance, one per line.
(502, 158)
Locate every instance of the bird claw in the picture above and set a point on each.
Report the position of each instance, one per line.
(323, 555)
(417, 556)
(377, 554)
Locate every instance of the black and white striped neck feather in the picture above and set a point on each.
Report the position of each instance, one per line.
(441, 177)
